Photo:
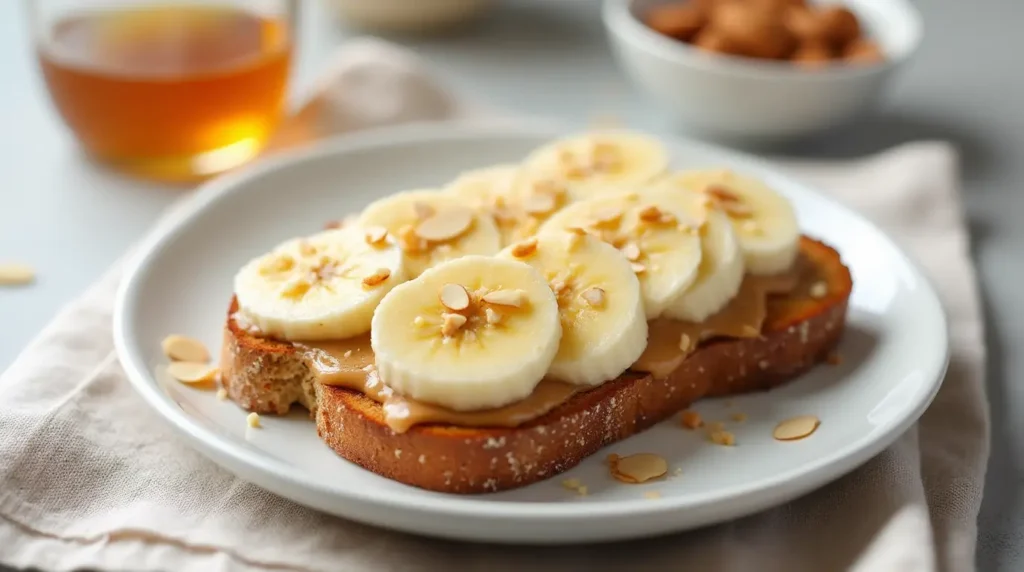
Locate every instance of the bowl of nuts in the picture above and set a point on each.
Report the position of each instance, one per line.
(762, 70)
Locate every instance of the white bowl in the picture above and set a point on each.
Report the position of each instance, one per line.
(741, 99)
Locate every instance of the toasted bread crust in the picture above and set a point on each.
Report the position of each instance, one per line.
(268, 377)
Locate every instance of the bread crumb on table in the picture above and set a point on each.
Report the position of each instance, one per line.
(253, 420)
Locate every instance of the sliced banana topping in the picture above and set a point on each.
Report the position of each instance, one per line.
(431, 227)
(764, 220)
(604, 329)
(661, 244)
(485, 331)
(325, 286)
(599, 162)
(517, 203)
(721, 269)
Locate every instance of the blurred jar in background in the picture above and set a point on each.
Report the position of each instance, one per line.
(163, 89)
(408, 16)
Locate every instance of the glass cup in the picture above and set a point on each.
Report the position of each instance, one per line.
(170, 90)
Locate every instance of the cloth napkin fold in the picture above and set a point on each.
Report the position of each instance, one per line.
(90, 479)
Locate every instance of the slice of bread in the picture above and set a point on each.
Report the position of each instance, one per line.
(801, 329)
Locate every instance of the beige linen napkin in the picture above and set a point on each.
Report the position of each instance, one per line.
(89, 478)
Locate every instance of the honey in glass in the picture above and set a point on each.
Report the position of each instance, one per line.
(169, 92)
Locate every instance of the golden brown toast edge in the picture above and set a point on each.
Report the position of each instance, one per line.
(267, 376)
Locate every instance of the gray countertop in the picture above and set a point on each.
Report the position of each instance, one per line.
(71, 220)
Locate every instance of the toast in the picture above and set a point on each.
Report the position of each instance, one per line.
(800, 330)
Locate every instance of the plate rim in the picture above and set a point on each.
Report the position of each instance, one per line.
(207, 441)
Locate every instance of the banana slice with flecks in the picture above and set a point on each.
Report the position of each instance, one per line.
(517, 203)
(481, 187)
(661, 242)
(721, 269)
(473, 333)
(431, 227)
(764, 220)
(325, 286)
(604, 328)
(600, 161)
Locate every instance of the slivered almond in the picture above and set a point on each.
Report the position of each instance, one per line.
(607, 216)
(376, 235)
(594, 296)
(722, 194)
(525, 248)
(650, 213)
(409, 241)
(513, 298)
(639, 468)
(558, 285)
(422, 210)
(492, 316)
(454, 297)
(445, 225)
(539, 203)
(638, 268)
(253, 420)
(192, 372)
(378, 277)
(183, 348)
(685, 342)
(796, 428)
(451, 324)
(631, 251)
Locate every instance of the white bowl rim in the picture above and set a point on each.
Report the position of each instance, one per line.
(620, 20)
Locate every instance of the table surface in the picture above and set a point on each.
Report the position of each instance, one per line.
(70, 219)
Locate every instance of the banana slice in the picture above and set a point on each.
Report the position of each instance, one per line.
(325, 286)
(469, 334)
(481, 187)
(721, 269)
(431, 227)
(661, 242)
(764, 220)
(518, 204)
(600, 162)
(604, 329)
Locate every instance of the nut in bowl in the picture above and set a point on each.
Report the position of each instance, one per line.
(750, 71)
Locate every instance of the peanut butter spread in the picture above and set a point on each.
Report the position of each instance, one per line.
(349, 363)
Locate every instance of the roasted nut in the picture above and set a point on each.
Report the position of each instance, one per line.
(863, 52)
(841, 25)
(454, 297)
(594, 296)
(812, 54)
(525, 248)
(182, 348)
(796, 428)
(691, 419)
(376, 235)
(679, 21)
(451, 324)
(513, 298)
(638, 468)
(378, 277)
(192, 372)
(445, 225)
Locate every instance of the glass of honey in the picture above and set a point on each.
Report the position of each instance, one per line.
(169, 90)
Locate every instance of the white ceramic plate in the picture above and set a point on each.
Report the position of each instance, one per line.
(894, 355)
